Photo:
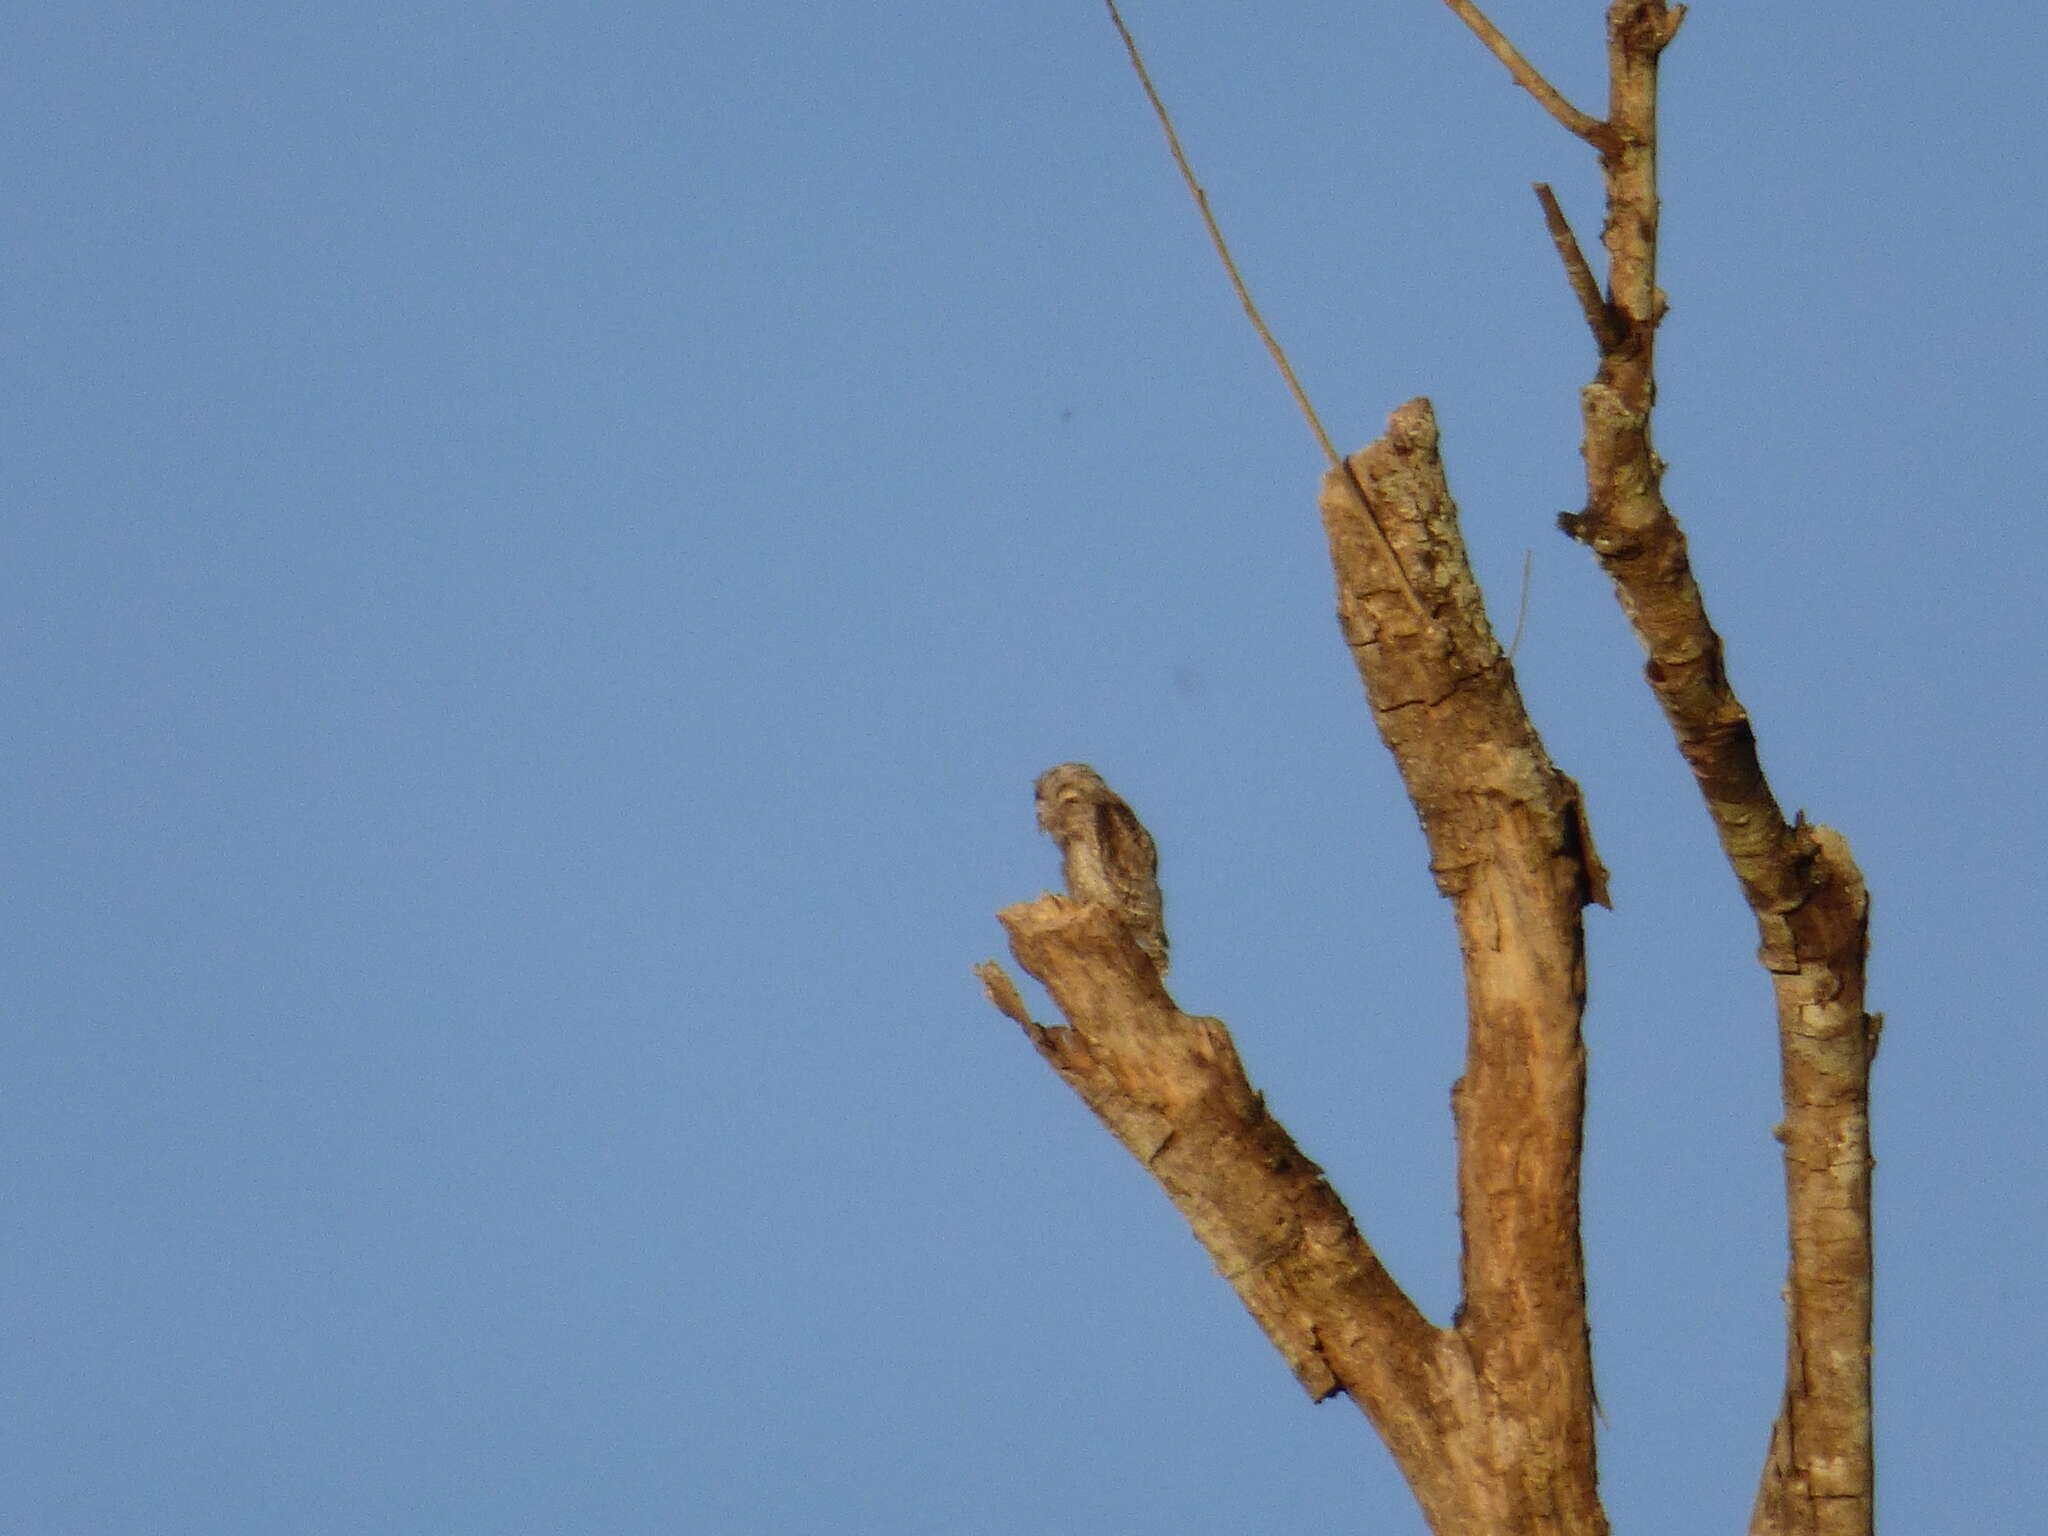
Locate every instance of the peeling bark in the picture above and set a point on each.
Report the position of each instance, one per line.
(1800, 882)
(1491, 1418)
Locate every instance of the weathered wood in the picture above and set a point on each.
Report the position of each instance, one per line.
(1491, 1418)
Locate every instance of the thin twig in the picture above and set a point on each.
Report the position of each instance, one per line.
(1522, 612)
(1589, 128)
(1600, 316)
(1237, 282)
(1251, 309)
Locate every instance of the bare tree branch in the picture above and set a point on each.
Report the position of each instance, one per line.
(1530, 79)
(1509, 846)
(1800, 881)
(1237, 282)
(1585, 287)
(1172, 1089)
(1491, 1418)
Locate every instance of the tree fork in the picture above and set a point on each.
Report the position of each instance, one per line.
(1801, 882)
(1491, 1418)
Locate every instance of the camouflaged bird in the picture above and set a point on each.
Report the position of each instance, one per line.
(1110, 858)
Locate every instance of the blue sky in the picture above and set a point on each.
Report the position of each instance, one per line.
(549, 543)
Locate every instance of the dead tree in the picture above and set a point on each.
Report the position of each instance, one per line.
(1491, 1418)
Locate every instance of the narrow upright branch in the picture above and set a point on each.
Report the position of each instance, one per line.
(1800, 881)
(1509, 846)
(1638, 31)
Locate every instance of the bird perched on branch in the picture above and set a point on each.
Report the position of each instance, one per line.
(1110, 858)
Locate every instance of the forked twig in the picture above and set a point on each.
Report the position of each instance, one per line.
(1800, 881)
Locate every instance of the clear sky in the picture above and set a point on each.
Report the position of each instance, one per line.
(547, 545)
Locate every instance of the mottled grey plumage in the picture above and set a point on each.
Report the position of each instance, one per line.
(1110, 858)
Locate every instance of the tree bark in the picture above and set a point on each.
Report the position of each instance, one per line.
(1800, 882)
(1491, 1417)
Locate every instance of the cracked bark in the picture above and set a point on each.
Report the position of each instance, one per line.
(1490, 1417)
